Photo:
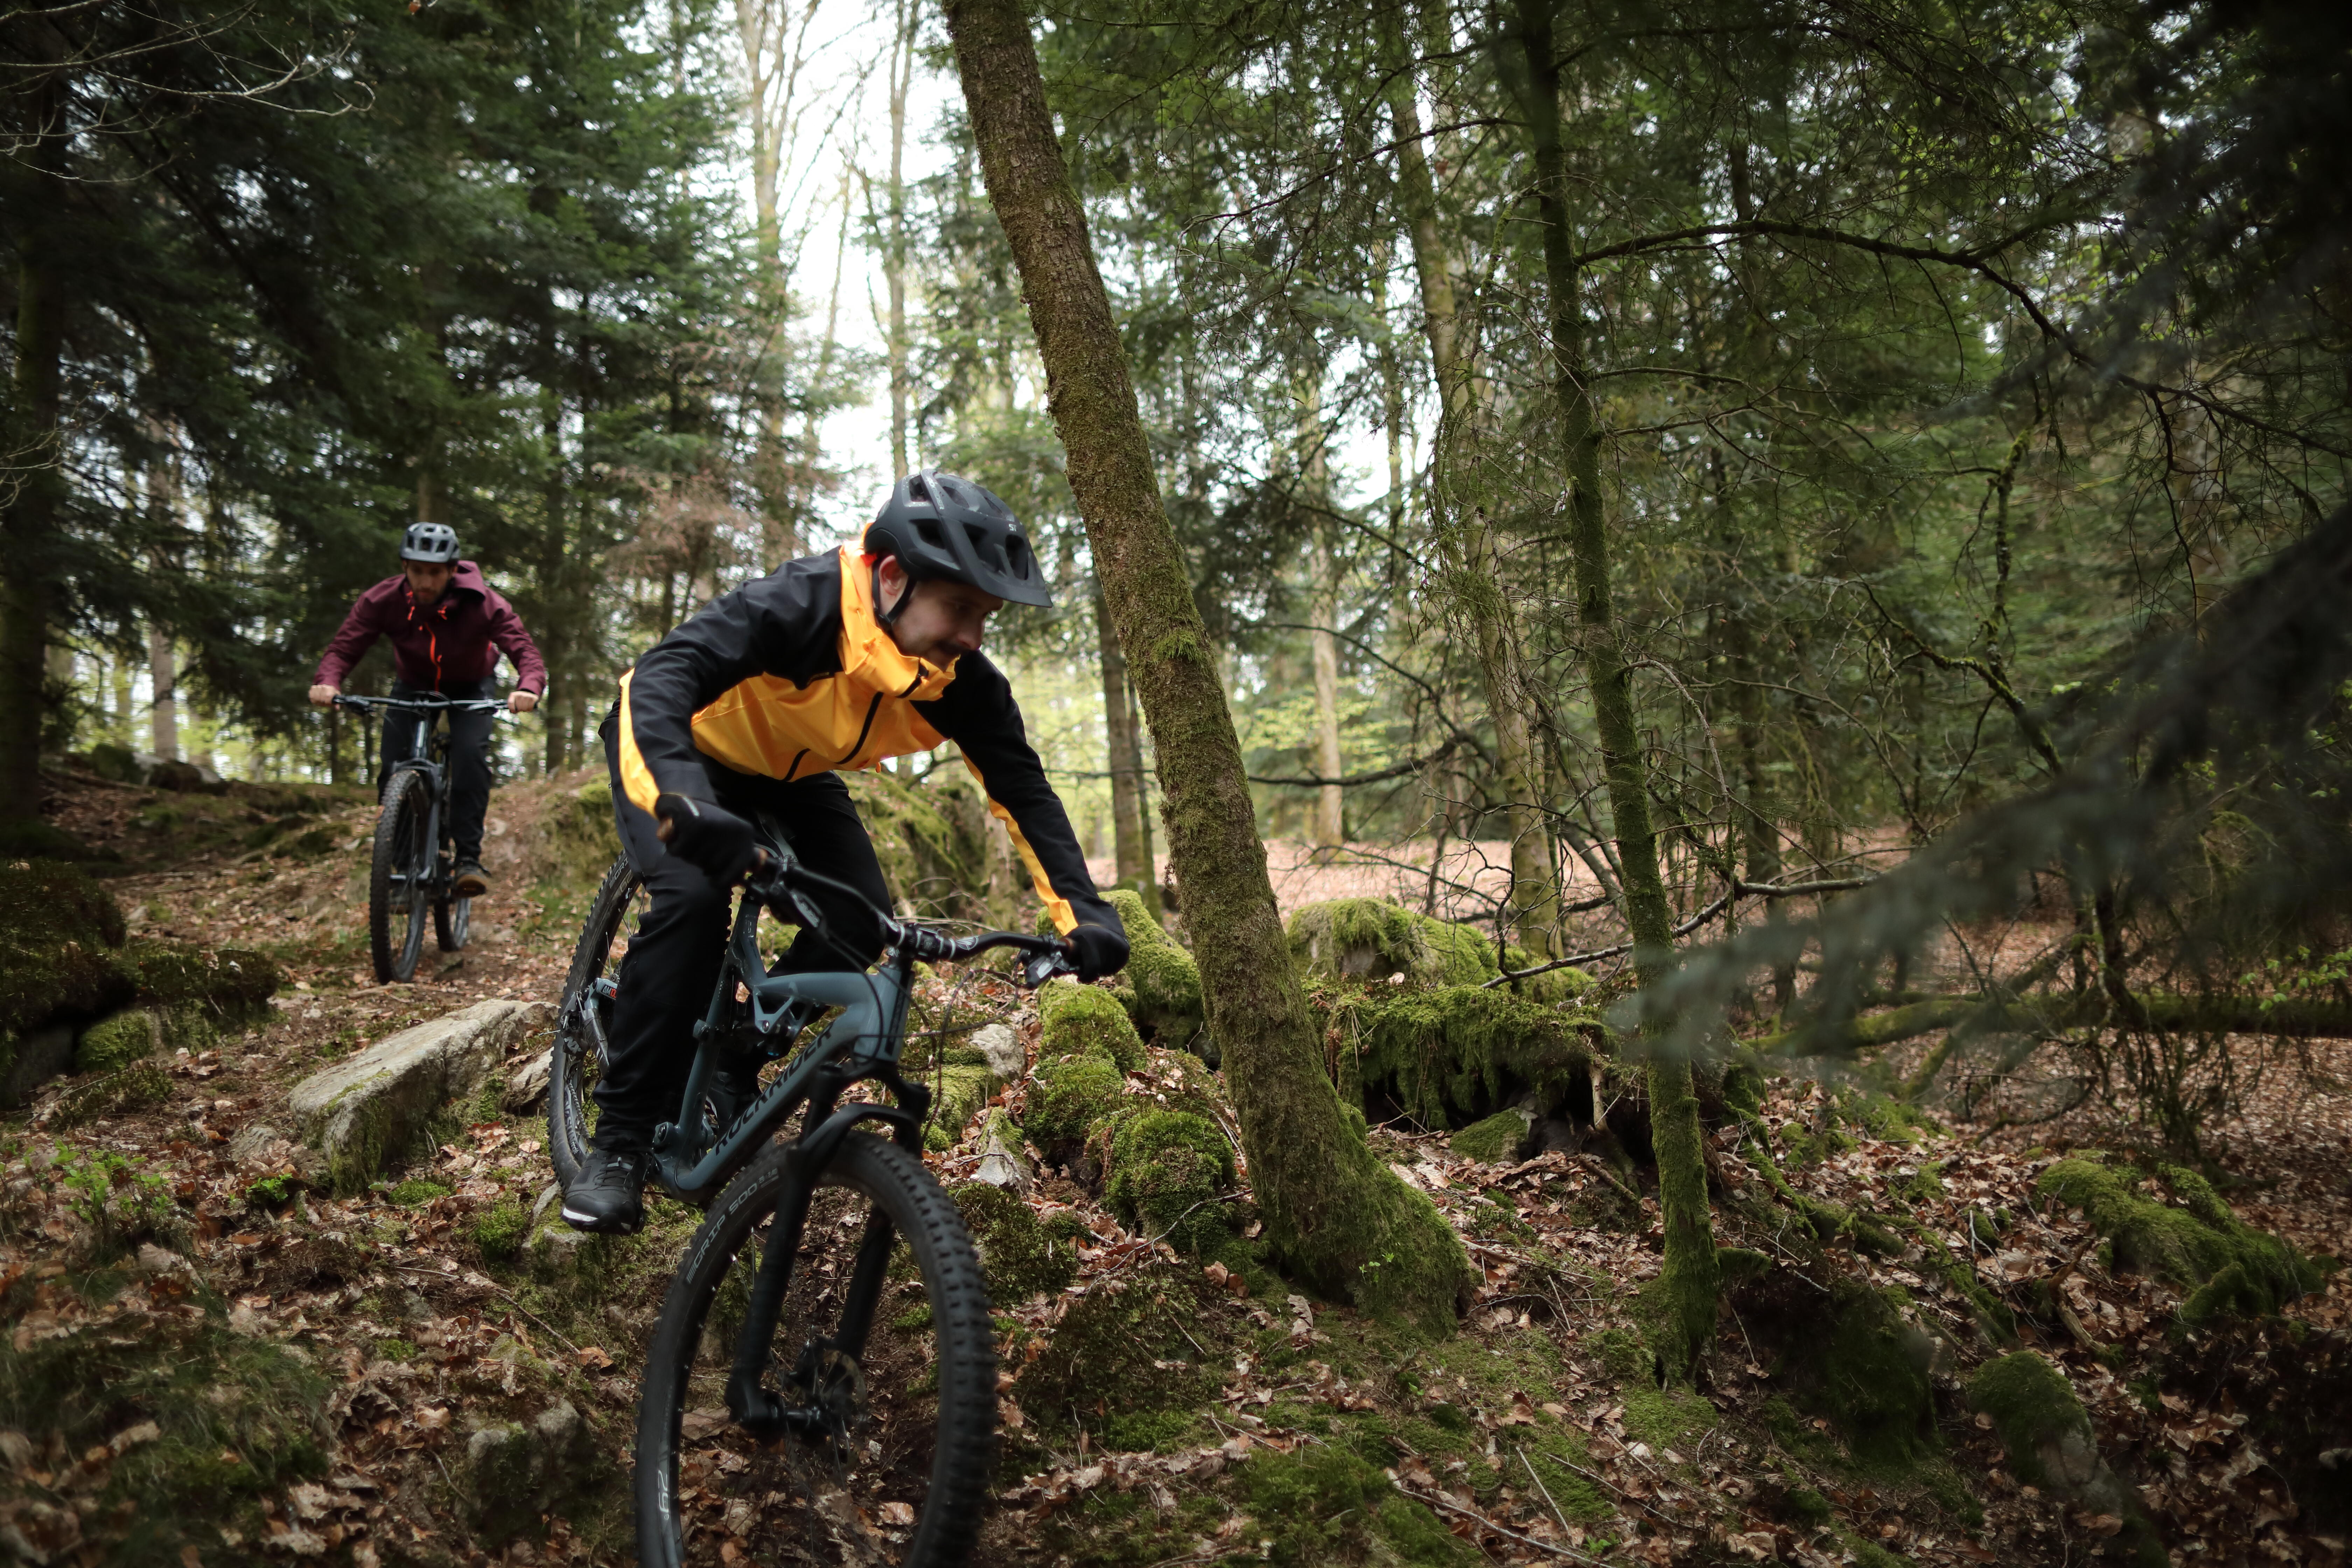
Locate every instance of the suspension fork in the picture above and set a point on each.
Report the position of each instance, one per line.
(755, 1407)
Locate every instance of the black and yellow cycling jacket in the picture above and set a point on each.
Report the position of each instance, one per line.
(790, 676)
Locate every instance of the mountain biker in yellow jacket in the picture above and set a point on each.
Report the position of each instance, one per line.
(829, 662)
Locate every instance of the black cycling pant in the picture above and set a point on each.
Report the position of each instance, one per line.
(667, 977)
(469, 757)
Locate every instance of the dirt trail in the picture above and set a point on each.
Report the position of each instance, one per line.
(342, 1356)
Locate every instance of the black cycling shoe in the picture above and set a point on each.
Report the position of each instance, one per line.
(608, 1197)
(470, 880)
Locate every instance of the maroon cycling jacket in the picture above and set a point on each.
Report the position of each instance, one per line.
(448, 644)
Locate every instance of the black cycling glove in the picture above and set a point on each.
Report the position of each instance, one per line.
(709, 836)
(1099, 951)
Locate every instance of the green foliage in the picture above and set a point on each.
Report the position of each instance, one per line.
(2201, 1243)
(416, 1192)
(1171, 1175)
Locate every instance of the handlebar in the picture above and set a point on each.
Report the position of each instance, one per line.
(420, 704)
(781, 876)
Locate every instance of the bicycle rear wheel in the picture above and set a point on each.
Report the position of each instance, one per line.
(397, 875)
(902, 1437)
(583, 1017)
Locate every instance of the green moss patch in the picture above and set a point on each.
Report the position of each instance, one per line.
(500, 1230)
(2235, 1267)
(1324, 1504)
(1162, 983)
(1087, 1020)
(1171, 1177)
(1847, 1355)
(1499, 1140)
(1018, 1256)
(1068, 1097)
(195, 1423)
(1370, 939)
(1129, 1347)
(1450, 1056)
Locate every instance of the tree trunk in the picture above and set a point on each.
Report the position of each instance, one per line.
(1130, 843)
(902, 71)
(1684, 1301)
(1465, 543)
(1331, 806)
(28, 526)
(1336, 1217)
(163, 716)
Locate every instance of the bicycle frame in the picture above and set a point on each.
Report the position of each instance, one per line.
(862, 1042)
(428, 755)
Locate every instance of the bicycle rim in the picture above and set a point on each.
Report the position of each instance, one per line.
(397, 894)
(583, 1017)
(899, 1476)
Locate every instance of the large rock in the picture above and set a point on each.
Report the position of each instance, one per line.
(366, 1112)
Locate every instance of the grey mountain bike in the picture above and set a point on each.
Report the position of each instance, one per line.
(415, 859)
(825, 1343)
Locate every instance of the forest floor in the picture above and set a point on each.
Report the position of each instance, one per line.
(296, 1375)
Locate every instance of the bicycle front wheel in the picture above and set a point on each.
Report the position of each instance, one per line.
(893, 1439)
(397, 893)
(583, 1017)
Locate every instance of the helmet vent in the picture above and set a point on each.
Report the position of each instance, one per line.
(985, 546)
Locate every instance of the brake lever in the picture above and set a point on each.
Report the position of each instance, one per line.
(1045, 966)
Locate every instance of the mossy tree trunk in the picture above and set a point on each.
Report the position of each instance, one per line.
(1472, 566)
(1338, 1219)
(1687, 1288)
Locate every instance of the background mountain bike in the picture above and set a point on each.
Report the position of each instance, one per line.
(834, 1261)
(414, 854)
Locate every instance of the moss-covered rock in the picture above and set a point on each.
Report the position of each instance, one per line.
(2236, 1268)
(2048, 1437)
(1370, 939)
(59, 931)
(931, 838)
(1171, 1175)
(118, 1041)
(1087, 1020)
(1018, 1256)
(1162, 990)
(1128, 1351)
(1499, 1140)
(1068, 1096)
(1450, 1056)
(963, 1090)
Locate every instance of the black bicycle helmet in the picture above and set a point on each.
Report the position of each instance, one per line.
(434, 543)
(942, 526)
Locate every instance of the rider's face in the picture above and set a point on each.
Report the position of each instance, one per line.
(942, 622)
(426, 579)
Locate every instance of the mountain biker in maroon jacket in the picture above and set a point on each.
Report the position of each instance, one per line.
(447, 628)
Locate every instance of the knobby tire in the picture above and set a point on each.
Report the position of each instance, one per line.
(573, 1069)
(911, 1488)
(399, 847)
